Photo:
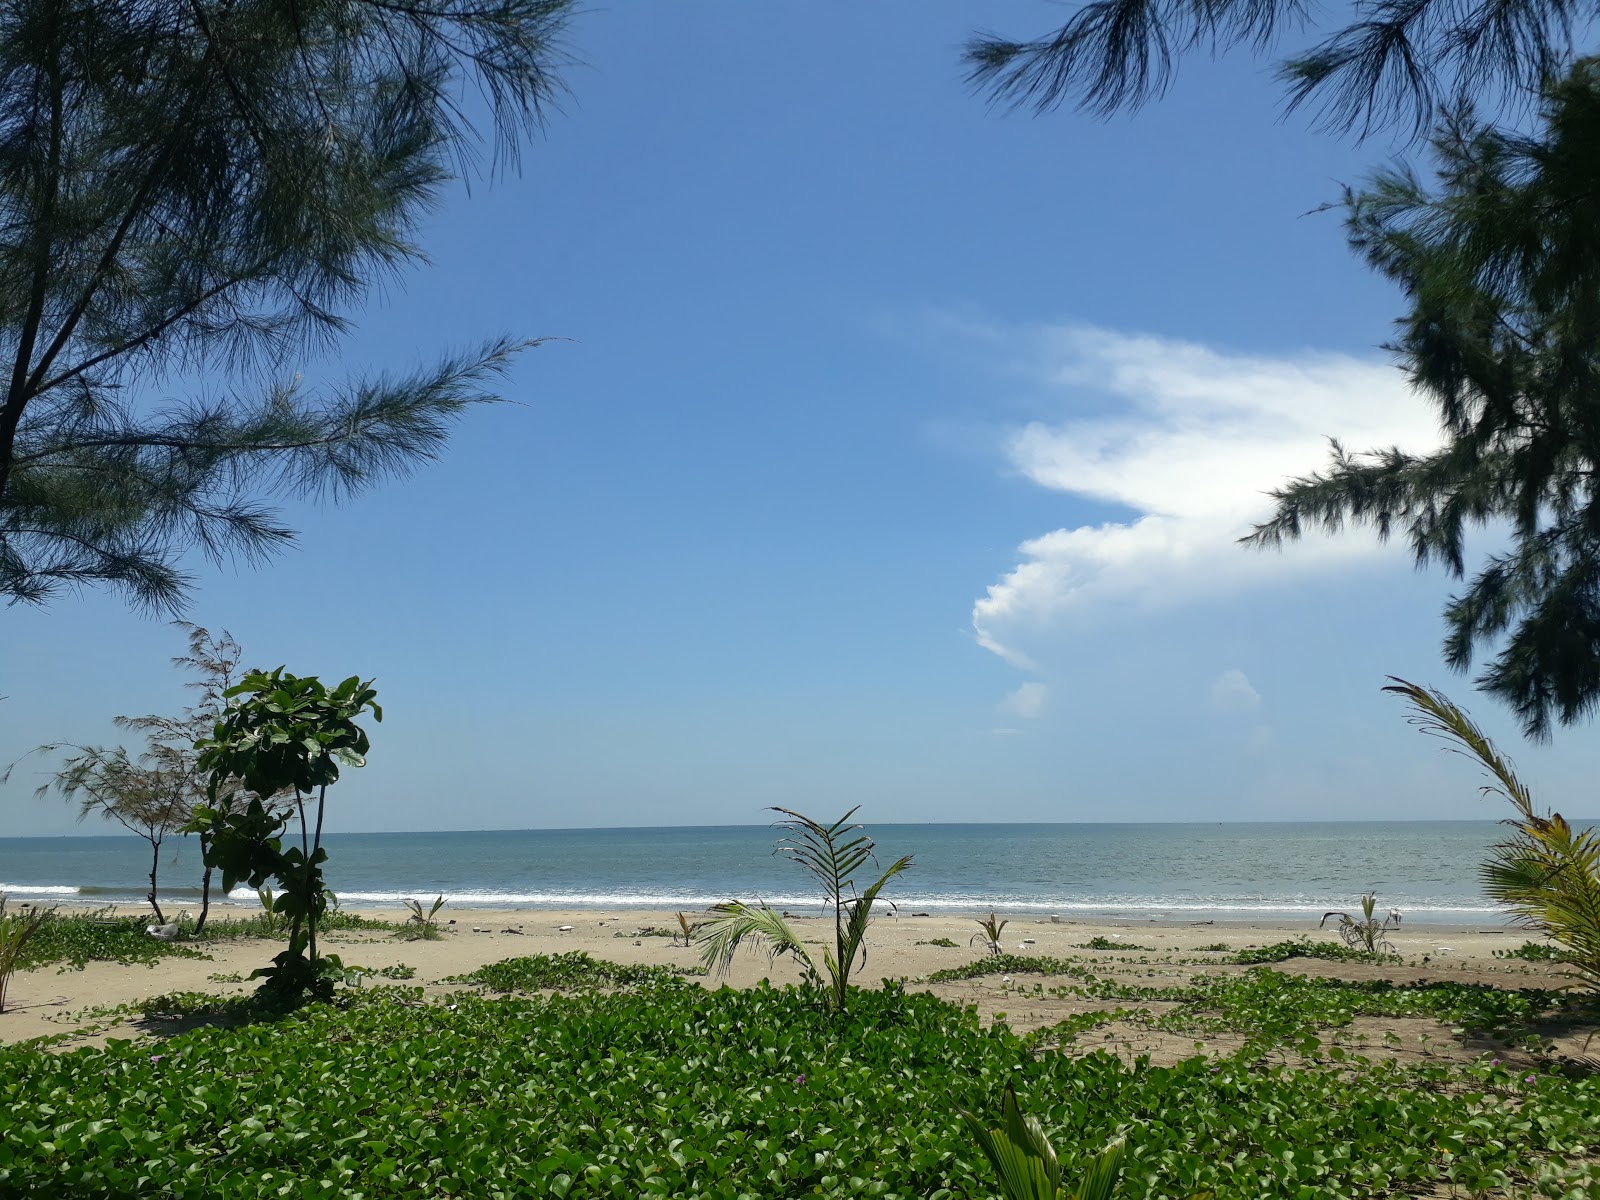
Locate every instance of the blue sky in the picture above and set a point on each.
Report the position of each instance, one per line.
(894, 459)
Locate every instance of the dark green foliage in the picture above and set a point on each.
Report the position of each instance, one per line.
(1009, 964)
(574, 970)
(1391, 64)
(1306, 948)
(760, 1093)
(1105, 943)
(192, 194)
(944, 942)
(1500, 264)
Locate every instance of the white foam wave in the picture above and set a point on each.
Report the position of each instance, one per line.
(37, 889)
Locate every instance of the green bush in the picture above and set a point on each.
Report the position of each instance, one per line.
(1306, 948)
(574, 970)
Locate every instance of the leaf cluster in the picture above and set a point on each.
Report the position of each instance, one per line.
(679, 1091)
(571, 971)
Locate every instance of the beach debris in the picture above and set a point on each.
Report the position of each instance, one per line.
(561, 929)
(1030, 941)
(517, 930)
(638, 943)
(481, 929)
(1055, 918)
(921, 914)
(164, 933)
(1444, 949)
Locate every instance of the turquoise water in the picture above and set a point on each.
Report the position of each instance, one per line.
(1427, 869)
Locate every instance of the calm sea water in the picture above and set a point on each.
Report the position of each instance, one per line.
(1427, 869)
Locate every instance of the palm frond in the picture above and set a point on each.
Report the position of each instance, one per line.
(1546, 872)
(827, 851)
(720, 938)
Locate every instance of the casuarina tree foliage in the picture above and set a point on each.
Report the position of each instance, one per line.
(1394, 62)
(190, 195)
(1500, 263)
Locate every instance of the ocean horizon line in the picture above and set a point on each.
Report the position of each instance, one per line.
(1342, 822)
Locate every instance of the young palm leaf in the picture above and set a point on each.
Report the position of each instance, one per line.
(1025, 1162)
(725, 933)
(832, 853)
(1546, 872)
(16, 931)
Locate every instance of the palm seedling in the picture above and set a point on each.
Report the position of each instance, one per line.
(989, 931)
(16, 931)
(1025, 1162)
(1546, 872)
(833, 854)
(686, 930)
(427, 927)
(1369, 933)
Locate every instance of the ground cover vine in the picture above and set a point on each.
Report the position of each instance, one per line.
(673, 1090)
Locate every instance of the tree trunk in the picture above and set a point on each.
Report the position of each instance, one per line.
(155, 863)
(205, 895)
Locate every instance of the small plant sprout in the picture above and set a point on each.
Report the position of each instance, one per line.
(686, 930)
(1025, 1162)
(16, 931)
(989, 930)
(1369, 933)
(427, 928)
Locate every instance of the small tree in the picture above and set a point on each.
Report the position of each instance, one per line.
(149, 797)
(284, 744)
(833, 853)
(158, 793)
(174, 740)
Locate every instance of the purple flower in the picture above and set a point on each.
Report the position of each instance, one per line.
(799, 1081)
(1494, 1062)
(159, 1057)
(1530, 1079)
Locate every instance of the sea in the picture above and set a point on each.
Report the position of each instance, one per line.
(1174, 872)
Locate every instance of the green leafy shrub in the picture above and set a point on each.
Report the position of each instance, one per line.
(1008, 964)
(1306, 948)
(574, 970)
(1532, 952)
(944, 942)
(1105, 943)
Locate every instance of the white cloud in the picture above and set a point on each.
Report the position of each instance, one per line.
(1027, 701)
(1189, 439)
(1232, 692)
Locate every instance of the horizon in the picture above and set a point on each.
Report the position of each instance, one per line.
(868, 825)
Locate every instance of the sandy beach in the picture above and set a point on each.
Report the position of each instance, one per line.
(49, 1001)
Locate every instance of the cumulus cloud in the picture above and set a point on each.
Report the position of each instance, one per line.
(1027, 701)
(1187, 440)
(1232, 692)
